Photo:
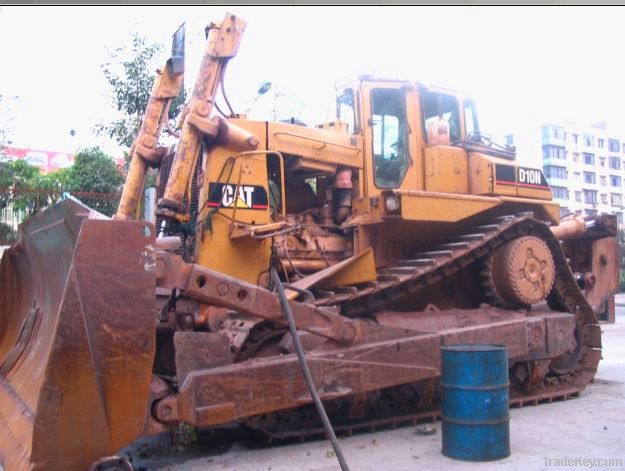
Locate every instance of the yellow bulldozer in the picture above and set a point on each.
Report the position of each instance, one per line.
(386, 234)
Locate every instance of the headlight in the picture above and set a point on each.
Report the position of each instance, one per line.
(392, 203)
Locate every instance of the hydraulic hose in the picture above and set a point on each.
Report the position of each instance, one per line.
(286, 308)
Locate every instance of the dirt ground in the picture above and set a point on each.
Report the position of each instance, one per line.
(587, 432)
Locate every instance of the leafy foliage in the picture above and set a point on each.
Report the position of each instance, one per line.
(31, 191)
(95, 172)
(130, 74)
(6, 233)
(26, 187)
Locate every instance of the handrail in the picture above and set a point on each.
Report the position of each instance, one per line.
(283, 183)
(292, 134)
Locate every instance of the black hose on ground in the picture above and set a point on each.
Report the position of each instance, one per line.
(286, 308)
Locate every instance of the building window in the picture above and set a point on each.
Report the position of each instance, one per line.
(600, 143)
(590, 196)
(577, 176)
(555, 172)
(554, 132)
(602, 161)
(603, 180)
(615, 163)
(575, 156)
(578, 196)
(623, 151)
(589, 177)
(589, 140)
(590, 212)
(619, 218)
(604, 198)
(554, 152)
(615, 180)
(560, 192)
(509, 139)
(616, 199)
(613, 145)
(589, 159)
(563, 211)
(575, 137)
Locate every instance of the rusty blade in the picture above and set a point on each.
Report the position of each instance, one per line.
(76, 338)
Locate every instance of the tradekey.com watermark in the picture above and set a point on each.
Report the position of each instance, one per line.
(581, 462)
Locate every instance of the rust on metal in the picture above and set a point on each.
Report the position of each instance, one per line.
(75, 365)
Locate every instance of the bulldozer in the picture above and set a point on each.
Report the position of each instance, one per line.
(396, 229)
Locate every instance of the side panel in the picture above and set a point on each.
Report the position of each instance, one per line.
(441, 207)
(446, 169)
(244, 258)
(531, 183)
(505, 182)
(480, 175)
(319, 148)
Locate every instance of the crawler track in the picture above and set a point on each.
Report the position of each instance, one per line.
(558, 380)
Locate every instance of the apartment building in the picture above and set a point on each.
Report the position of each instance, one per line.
(585, 167)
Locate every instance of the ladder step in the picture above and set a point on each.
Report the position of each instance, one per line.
(417, 262)
(399, 271)
(436, 253)
(345, 289)
(454, 245)
(505, 218)
(487, 228)
(388, 278)
(472, 237)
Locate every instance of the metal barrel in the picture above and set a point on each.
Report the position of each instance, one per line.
(475, 387)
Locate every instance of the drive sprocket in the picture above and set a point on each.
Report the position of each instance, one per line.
(519, 273)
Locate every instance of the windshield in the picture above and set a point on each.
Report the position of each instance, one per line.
(439, 105)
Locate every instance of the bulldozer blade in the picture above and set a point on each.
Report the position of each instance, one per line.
(77, 338)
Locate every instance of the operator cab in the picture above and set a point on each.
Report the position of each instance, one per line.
(423, 138)
(439, 108)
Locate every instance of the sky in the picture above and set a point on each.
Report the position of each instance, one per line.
(522, 65)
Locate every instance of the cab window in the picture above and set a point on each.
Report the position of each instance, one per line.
(439, 105)
(346, 111)
(389, 137)
(470, 118)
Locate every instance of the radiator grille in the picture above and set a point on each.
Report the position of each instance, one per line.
(188, 251)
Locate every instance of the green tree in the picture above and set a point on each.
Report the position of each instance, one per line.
(94, 178)
(130, 74)
(7, 234)
(96, 173)
(17, 179)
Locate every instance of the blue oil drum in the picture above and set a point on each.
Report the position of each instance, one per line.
(475, 388)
